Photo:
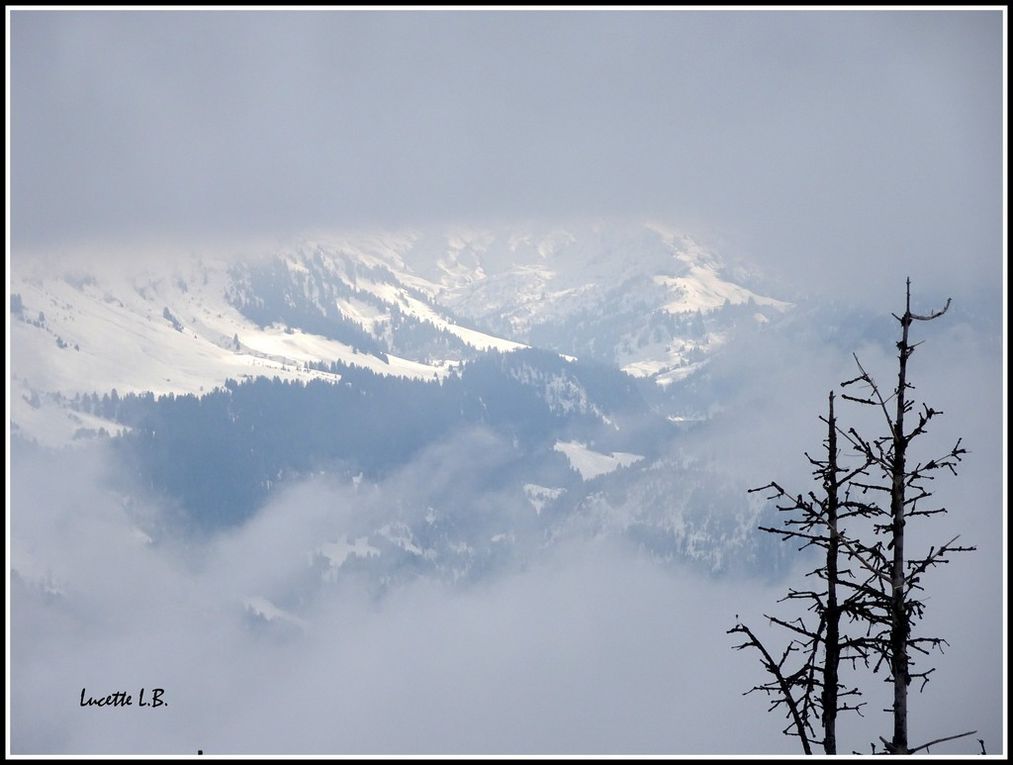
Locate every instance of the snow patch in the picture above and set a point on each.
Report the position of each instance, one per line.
(266, 610)
(703, 290)
(338, 552)
(540, 496)
(590, 463)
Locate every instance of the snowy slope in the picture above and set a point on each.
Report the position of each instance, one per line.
(641, 296)
(413, 304)
(176, 330)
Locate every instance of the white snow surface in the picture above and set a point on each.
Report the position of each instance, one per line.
(540, 496)
(590, 463)
(114, 335)
(172, 330)
(703, 290)
(268, 611)
(338, 552)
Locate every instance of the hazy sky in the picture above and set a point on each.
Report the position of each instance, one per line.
(825, 143)
(837, 148)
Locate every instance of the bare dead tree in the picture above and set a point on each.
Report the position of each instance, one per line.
(892, 595)
(812, 689)
(868, 600)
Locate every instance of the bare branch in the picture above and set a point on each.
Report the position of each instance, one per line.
(947, 738)
(930, 317)
(775, 670)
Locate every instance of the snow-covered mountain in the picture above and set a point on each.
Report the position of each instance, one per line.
(540, 372)
(188, 326)
(644, 298)
(411, 304)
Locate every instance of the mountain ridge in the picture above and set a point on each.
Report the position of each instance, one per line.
(408, 304)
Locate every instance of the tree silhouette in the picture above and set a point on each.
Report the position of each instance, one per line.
(877, 590)
(898, 578)
(812, 689)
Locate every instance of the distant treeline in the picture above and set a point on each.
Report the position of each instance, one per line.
(220, 453)
(308, 299)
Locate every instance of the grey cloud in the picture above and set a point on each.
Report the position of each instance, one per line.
(824, 144)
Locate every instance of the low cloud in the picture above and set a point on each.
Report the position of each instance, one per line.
(586, 646)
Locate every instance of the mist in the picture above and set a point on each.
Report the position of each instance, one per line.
(589, 648)
(579, 643)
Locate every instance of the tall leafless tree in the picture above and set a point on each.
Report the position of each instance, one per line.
(897, 578)
(811, 688)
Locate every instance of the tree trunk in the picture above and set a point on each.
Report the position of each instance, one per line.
(833, 614)
(899, 626)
